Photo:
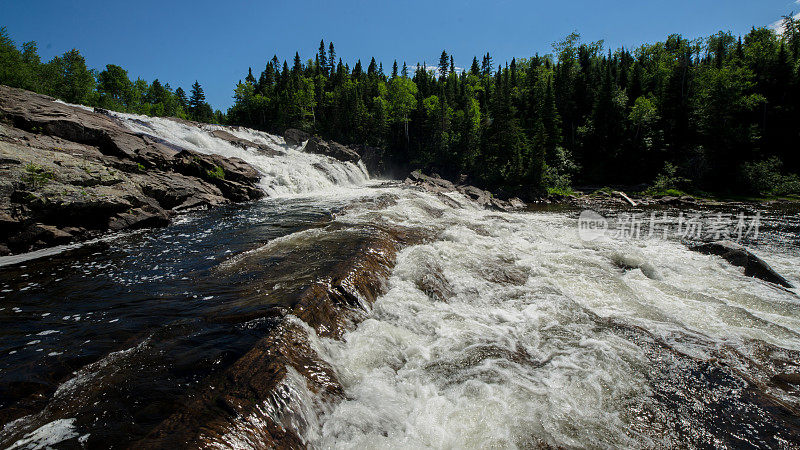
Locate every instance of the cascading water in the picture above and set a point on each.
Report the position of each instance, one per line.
(496, 329)
(289, 172)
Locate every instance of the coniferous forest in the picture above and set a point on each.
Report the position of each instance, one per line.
(713, 115)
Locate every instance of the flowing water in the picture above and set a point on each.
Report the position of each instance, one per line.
(501, 330)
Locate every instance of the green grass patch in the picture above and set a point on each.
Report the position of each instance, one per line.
(560, 191)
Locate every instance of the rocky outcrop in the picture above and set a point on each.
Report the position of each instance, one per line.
(331, 149)
(259, 399)
(740, 256)
(440, 186)
(69, 173)
(244, 143)
(374, 159)
(295, 137)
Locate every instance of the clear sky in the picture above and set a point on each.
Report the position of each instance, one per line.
(215, 41)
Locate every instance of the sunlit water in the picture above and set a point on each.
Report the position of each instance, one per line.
(500, 330)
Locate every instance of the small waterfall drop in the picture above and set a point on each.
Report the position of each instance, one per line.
(286, 170)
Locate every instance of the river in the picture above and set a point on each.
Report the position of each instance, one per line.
(492, 329)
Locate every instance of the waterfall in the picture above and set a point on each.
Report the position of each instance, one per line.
(286, 170)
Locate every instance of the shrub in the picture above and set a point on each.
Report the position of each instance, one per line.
(36, 175)
(217, 173)
(764, 177)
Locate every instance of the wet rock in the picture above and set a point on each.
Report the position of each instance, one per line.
(740, 256)
(438, 185)
(374, 159)
(259, 399)
(295, 137)
(787, 378)
(66, 167)
(331, 149)
(244, 143)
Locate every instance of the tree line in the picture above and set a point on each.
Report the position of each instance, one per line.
(715, 114)
(68, 78)
(718, 114)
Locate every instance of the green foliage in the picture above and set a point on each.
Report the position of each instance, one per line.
(667, 111)
(66, 77)
(36, 175)
(703, 109)
(765, 177)
(217, 173)
(669, 182)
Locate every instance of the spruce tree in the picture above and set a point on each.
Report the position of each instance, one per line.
(443, 64)
(198, 97)
(332, 56)
(394, 69)
(322, 59)
(180, 96)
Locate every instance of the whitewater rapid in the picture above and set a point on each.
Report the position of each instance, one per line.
(290, 172)
(496, 330)
(500, 332)
(507, 330)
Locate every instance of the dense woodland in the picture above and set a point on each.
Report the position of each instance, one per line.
(719, 114)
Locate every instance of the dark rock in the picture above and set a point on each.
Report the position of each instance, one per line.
(787, 378)
(331, 149)
(65, 168)
(244, 143)
(374, 159)
(295, 137)
(144, 217)
(740, 256)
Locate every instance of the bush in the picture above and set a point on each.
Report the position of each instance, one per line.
(764, 177)
(669, 179)
(36, 175)
(217, 173)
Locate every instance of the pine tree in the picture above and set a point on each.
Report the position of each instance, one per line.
(198, 97)
(180, 96)
(322, 59)
(298, 65)
(332, 56)
(394, 69)
(474, 69)
(443, 64)
(250, 78)
(452, 65)
(404, 72)
(372, 69)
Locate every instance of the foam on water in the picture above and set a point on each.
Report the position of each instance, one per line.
(290, 172)
(493, 334)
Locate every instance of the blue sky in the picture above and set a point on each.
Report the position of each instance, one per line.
(215, 41)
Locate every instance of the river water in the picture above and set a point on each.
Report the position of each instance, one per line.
(501, 330)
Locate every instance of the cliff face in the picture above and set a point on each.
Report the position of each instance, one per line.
(68, 174)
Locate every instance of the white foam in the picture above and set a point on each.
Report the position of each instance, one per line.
(290, 172)
(513, 355)
(47, 435)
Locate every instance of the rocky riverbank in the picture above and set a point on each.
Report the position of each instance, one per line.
(69, 174)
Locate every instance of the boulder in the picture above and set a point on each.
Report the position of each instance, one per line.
(331, 149)
(740, 256)
(295, 137)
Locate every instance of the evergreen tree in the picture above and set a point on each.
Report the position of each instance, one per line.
(443, 64)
